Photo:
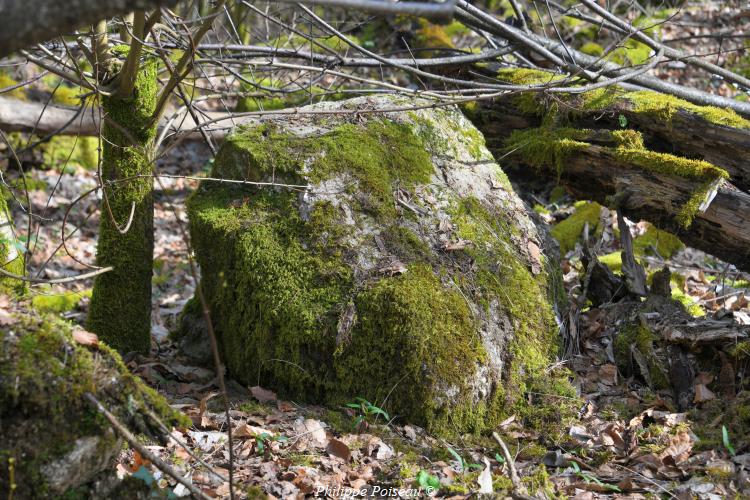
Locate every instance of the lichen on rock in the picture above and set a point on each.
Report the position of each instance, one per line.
(402, 269)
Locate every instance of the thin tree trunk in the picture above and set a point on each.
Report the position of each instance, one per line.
(120, 308)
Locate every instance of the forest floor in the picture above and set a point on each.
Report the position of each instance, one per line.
(628, 440)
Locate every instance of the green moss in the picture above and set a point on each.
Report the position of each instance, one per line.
(709, 418)
(557, 194)
(628, 139)
(592, 49)
(526, 76)
(441, 350)
(631, 53)
(432, 36)
(642, 339)
(282, 282)
(44, 374)
(546, 147)
(664, 163)
(664, 107)
(741, 350)
(538, 483)
(613, 261)
(7, 81)
(504, 280)
(569, 230)
(66, 150)
(688, 302)
(120, 310)
(660, 106)
(655, 240)
(58, 303)
(549, 147)
(377, 155)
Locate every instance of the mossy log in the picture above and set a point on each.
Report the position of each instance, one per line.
(675, 164)
(120, 310)
(406, 272)
(52, 441)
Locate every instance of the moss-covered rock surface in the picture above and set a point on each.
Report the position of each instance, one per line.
(402, 268)
(52, 441)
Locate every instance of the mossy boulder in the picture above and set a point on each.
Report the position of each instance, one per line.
(402, 268)
(52, 441)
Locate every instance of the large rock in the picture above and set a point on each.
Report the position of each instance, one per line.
(395, 264)
(52, 442)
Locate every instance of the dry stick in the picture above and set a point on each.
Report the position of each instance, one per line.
(56, 281)
(133, 441)
(520, 488)
(182, 445)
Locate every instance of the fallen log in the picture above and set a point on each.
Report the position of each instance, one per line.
(42, 119)
(669, 164)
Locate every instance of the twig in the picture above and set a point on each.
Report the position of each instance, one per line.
(56, 281)
(521, 491)
(182, 445)
(133, 441)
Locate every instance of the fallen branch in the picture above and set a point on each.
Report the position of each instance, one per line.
(148, 455)
(520, 489)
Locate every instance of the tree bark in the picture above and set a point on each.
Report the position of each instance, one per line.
(23, 24)
(120, 310)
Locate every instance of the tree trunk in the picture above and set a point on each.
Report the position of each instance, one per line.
(23, 24)
(120, 311)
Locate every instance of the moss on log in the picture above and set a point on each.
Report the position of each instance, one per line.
(654, 157)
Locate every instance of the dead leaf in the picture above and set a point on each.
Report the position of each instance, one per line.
(679, 448)
(485, 479)
(247, 430)
(376, 448)
(203, 420)
(535, 255)
(83, 337)
(311, 432)
(263, 395)
(456, 245)
(339, 449)
(703, 393)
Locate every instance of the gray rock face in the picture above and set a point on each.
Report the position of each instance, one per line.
(388, 258)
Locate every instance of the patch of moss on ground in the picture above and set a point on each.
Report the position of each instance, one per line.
(7, 81)
(58, 302)
(655, 240)
(569, 230)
